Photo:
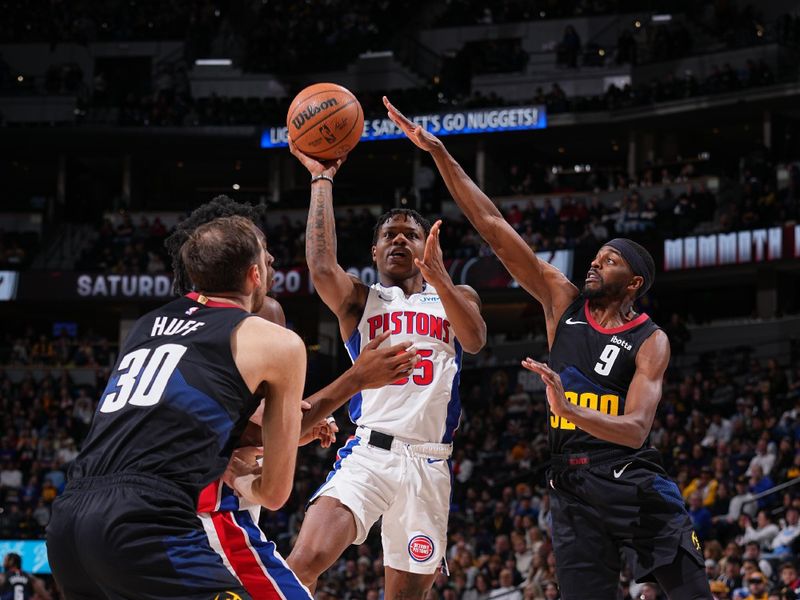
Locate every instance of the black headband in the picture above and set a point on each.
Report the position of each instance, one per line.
(639, 260)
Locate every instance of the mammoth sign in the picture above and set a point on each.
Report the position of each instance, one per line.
(734, 248)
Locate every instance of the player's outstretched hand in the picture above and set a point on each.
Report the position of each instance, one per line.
(314, 166)
(559, 405)
(324, 430)
(376, 367)
(432, 263)
(422, 138)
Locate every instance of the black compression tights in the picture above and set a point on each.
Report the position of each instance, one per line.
(684, 579)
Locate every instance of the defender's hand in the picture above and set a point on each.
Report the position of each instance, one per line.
(376, 367)
(314, 166)
(432, 263)
(422, 138)
(559, 405)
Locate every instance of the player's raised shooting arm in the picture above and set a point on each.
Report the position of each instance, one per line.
(546, 283)
(343, 294)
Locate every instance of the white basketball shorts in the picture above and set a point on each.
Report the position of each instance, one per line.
(410, 492)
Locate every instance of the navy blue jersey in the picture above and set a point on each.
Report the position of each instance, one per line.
(596, 366)
(175, 404)
(17, 586)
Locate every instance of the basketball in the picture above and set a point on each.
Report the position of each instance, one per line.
(325, 121)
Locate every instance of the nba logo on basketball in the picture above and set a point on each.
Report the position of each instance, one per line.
(420, 548)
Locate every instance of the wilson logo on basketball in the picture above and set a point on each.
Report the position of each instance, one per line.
(420, 548)
(313, 110)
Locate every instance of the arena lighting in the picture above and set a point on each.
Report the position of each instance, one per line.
(213, 62)
(235, 186)
(661, 18)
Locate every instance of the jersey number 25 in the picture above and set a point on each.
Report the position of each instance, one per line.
(425, 377)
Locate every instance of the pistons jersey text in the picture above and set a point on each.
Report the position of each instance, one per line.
(424, 406)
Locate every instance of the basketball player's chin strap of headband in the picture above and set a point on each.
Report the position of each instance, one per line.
(637, 263)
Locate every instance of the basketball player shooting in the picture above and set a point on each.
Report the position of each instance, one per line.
(609, 492)
(228, 511)
(396, 465)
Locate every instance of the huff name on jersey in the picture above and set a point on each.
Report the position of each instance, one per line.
(410, 322)
(167, 326)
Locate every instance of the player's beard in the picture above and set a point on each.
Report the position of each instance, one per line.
(603, 290)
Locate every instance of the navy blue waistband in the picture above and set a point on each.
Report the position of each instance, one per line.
(150, 482)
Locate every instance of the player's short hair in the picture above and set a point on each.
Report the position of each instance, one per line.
(15, 560)
(400, 212)
(220, 206)
(219, 253)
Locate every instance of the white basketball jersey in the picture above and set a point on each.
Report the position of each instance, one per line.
(425, 406)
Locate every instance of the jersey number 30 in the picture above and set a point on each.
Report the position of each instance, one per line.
(142, 376)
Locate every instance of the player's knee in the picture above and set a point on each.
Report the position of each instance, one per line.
(308, 563)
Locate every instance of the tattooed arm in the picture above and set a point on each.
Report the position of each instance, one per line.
(344, 294)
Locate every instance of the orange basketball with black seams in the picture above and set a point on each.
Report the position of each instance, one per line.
(325, 121)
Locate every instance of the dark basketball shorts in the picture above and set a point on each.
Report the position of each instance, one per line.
(609, 505)
(134, 536)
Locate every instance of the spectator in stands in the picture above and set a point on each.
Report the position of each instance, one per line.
(719, 590)
(706, 485)
(700, 515)
(763, 459)
(480, 590)
(789, 577)
(507, 590)
(569, 48)
(757, 586)
(759, 482)
(781, 544)
(678, 334)
(763, 533)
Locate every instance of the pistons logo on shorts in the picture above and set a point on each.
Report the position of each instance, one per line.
(420, 548)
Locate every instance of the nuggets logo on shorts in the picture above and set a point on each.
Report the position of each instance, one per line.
(420, 548)
(228, 596)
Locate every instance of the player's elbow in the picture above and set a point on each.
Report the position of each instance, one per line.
(275, 496)
(321, 269)
(637, 435)
(475, 342)
(272, 502)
